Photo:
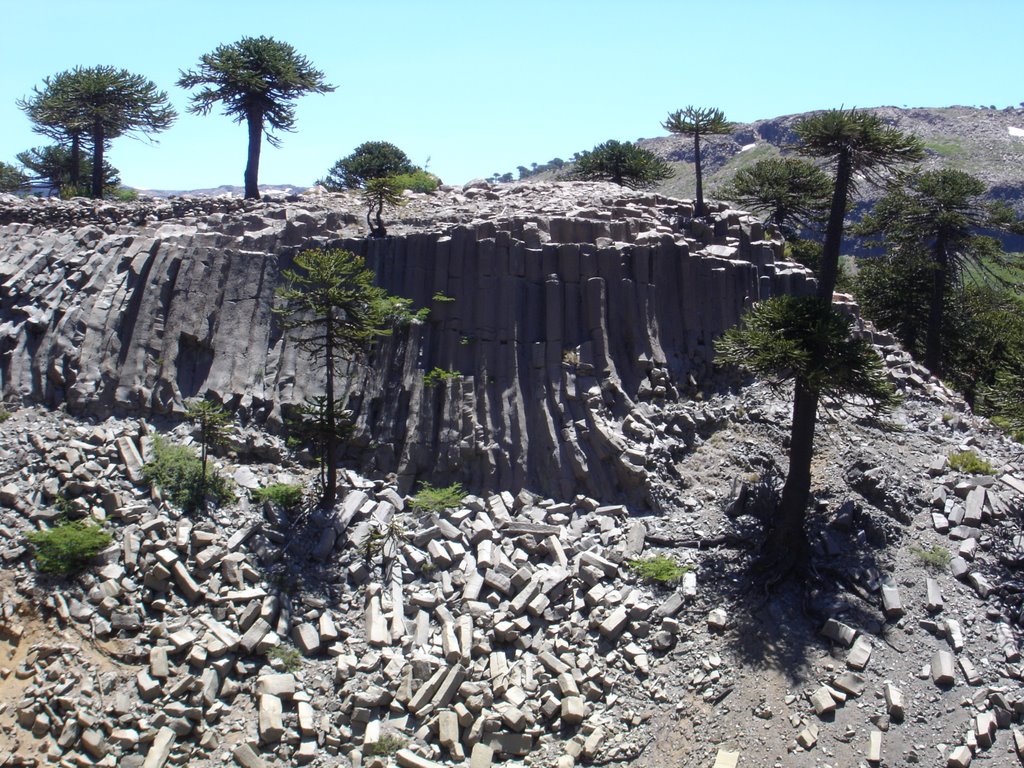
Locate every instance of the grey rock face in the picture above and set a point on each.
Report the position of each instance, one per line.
(108, 315)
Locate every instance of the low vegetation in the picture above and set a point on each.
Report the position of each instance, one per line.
(937, 558)
(286, 656)
(431, 499)
(178, 473)
(969, 463)
(284, 495)
(657, 569)
(388, 744)
(439, 376)
(68, 547)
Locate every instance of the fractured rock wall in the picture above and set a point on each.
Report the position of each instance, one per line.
(559, 321)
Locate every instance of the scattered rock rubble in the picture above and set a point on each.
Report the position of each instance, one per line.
(510, 629)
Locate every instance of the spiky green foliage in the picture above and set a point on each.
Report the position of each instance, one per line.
(624, 163)
(98, 104)
(378, 194)
(791, 192)
(334, 311)
(370, 160)
(1006, 396)
(969, 463)
(941, 215)
(287, 657)
(788, 337)
(287, 496)
(658, 569)
(67, 548)
(417, 181)
(935, 559)
(431, 499)
(256, 81)
(437, 377)
(697, 122)
(12, 178)
(178, 473)
(54, 165)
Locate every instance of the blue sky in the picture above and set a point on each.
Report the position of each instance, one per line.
(483, 86)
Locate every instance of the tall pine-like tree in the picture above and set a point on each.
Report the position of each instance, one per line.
(256, 81)
(697, 122)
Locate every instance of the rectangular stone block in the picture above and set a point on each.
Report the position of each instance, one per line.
(942, 668)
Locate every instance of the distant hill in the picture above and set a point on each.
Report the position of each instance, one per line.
(231, 190)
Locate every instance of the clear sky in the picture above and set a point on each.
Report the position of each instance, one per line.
(482, 86)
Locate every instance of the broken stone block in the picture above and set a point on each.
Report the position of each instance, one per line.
(958, 567)
(271, 719)
(960, 757)
(808, 737)
(859, 656)
(839, 632)
(614, 625)
(280, 685)
(406, 758)
(892, 606)
(306, 639)
(718, 620)
(875, 747)
(482, 756)
(955, 635)
(160, 748)
(823, 702)
(573, 710)
(934, 599)
(970, 673)
(942, 668)
(246, 757)
(894, 702)
(726, 759)
(850, 683)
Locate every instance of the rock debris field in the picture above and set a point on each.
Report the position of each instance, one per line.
(512, 629)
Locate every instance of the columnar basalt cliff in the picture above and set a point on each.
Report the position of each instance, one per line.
(563, 308)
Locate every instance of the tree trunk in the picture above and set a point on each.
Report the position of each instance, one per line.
(829, 268)
(75, 171)
(254, 119)
(97, 159)
(700, 179)
(933, 338)
(331, 448)
(787, 545)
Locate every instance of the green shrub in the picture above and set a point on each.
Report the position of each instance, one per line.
(937, 558)
(658, 569)
(178, 473)
(969, 463)
(67, 547)
(431, 499)
(282, 495)
(388, 744)
(125, 194)
(438, 376)
(417, 181)
(4, 415)
(288, 656)
(443, 298)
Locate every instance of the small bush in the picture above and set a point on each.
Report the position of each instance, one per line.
(283, 495)
(4, 415)
(937, 558)
(658, 569)
(178, 473)
(417, 181)
(125, 194)
(388, 744)
(439, 376)
(287, 655)
(67, 548)
(430, 499)
(443, 298)
(969, 463)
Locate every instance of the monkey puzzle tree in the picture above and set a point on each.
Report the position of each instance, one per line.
(806, 336)
(697, 122)
(256, 80)
(370, 160)
(55, 166)
(378, 194)
(100, 103)
(622, 162)
(12, 178)
(940, 213)
(791, 192)
(336, 310)
(213, 423)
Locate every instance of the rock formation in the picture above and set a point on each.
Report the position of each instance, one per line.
(131, 308)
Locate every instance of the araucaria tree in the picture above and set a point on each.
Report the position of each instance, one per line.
(334, 310)
(256, 80)
(100, 104)
(941, 215)
(804, 339)
(370, 160)
(622, 162)
(378, 194)
(213, 423)
(792, 193)
(697, 122)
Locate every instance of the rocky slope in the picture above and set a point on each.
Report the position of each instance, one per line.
(510, 629)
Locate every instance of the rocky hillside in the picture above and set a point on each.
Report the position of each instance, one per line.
(515, 627)
(988, 143)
